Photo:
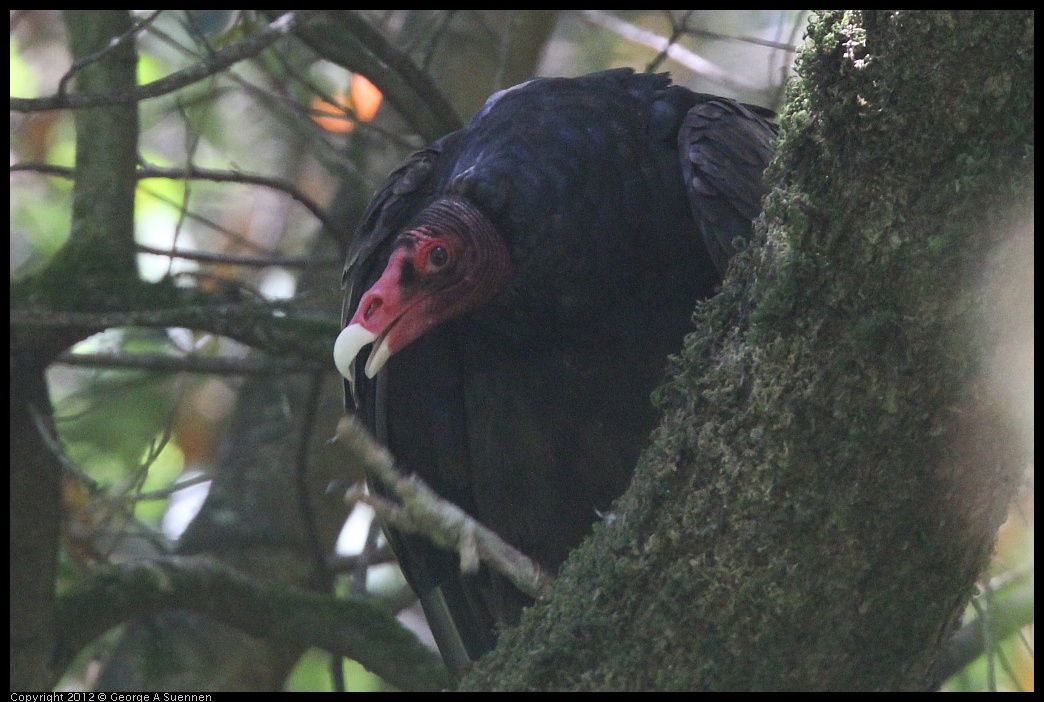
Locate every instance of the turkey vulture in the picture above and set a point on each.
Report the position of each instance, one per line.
(522, 281)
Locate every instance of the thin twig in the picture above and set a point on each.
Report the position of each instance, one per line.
(678, 29)
(419, 81)
(54, 445)
(276, 327)
(239, 260)
(411, 92)
(136, 26)
(423, 512)
(788, 47)
(221, 176)
(196, 173)
(211, 65)
(166, 492)
(187, 364)
(690, 59)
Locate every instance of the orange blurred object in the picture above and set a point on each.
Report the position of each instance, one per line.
(360, 105)
(365, 97)
(338, 120)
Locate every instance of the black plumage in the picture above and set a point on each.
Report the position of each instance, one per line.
(523, 280)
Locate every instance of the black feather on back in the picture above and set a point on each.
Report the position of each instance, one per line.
(724, 148)
(620, 198)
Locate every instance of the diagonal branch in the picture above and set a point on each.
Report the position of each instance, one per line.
(213, 175)
(353, 628)
(690, 59)
(190, 364)
(447, 525)
(362, 49)
(272, 327)
(208, 66)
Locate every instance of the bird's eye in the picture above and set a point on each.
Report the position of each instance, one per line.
(438, 257)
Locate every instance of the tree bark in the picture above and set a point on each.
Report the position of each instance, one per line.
(832, 467)
(103, 206)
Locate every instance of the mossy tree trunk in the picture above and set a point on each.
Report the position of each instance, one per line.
(832, 468)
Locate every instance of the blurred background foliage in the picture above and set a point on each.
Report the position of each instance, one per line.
(143, 441)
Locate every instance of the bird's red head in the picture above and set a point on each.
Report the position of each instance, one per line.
(450, 261)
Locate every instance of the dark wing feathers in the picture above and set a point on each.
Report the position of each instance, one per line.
(724, 149)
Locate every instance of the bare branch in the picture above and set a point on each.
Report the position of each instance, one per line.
(220, 176)
(195, 173)
(424, 512)
(208, 66)
(166, 492)
(408, 89)
(189, 364)
(54, 445)
(1008, 613)
(137, 26)
(237, 260)
(690, 59)
(678, 28)
(354, 628)
(270, 326)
